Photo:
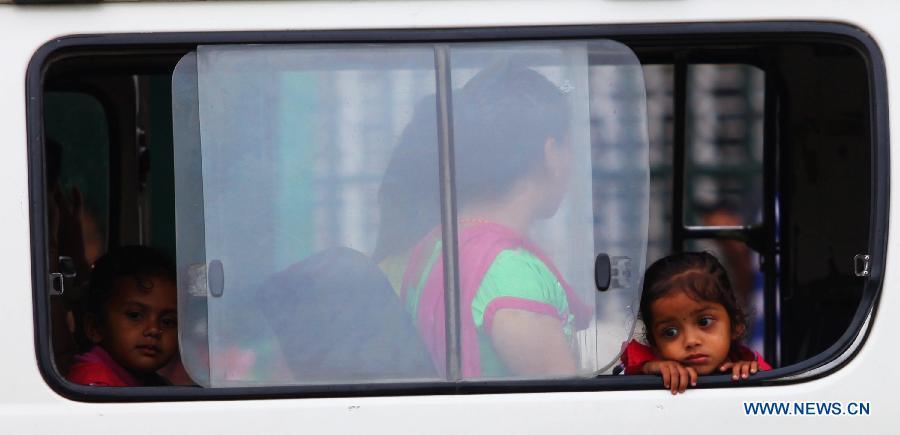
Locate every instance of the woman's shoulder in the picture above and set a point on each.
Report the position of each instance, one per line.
(517, 279)
(520, 258)
(520, 269)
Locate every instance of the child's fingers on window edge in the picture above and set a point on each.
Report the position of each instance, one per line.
(680, 383)
(735, 372)
(672, 378)
(685, 378)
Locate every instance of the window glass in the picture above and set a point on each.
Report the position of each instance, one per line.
(278, 204)
(308, 211)
(723, 174)
(660, 84)
(78, 192)
(620, 179)
(76, 125)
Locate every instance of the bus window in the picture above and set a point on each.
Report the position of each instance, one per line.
(373, 217)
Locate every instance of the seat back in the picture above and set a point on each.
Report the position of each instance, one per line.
(337, 318)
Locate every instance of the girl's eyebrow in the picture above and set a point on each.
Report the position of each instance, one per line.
(664, 320)
(145, 306)
(130, 302)
(693, 313)
(703, 308)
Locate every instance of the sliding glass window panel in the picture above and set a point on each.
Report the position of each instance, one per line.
(539, 198)
(289, 241)
(309, 210)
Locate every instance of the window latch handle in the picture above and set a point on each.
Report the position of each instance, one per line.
(862, 265)
(57, 284)
(65, 271)
(602, 272)
(215, 276)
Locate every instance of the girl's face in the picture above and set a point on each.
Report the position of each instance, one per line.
(139, 330)
(696, 333)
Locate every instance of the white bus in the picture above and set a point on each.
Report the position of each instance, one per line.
(435, 216)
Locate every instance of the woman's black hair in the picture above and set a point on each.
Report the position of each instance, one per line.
(701, 276)
(140, 263)
(409, 197)
(502, 117)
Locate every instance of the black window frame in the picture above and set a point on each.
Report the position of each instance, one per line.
(672, 33)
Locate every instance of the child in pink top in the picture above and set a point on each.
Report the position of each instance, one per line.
(694, 324)
(130, 320)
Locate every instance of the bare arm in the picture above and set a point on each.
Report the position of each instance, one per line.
(532, 344)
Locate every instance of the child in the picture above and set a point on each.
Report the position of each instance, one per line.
(129, 319)
(693, 322)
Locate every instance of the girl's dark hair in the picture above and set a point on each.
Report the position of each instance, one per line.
(140, 263)
(700, 275)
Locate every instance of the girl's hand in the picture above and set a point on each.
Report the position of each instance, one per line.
(676, 377)
(740, 369)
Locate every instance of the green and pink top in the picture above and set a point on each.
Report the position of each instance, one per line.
(499, 269)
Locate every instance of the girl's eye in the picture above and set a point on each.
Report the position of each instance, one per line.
(169, 323)
(133, 315)
(669, 332)
(705, 321)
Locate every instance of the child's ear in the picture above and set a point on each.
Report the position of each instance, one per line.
(92, 329)
(738, 331)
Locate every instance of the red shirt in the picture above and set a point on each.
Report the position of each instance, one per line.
(637, 354)
(97, 368)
